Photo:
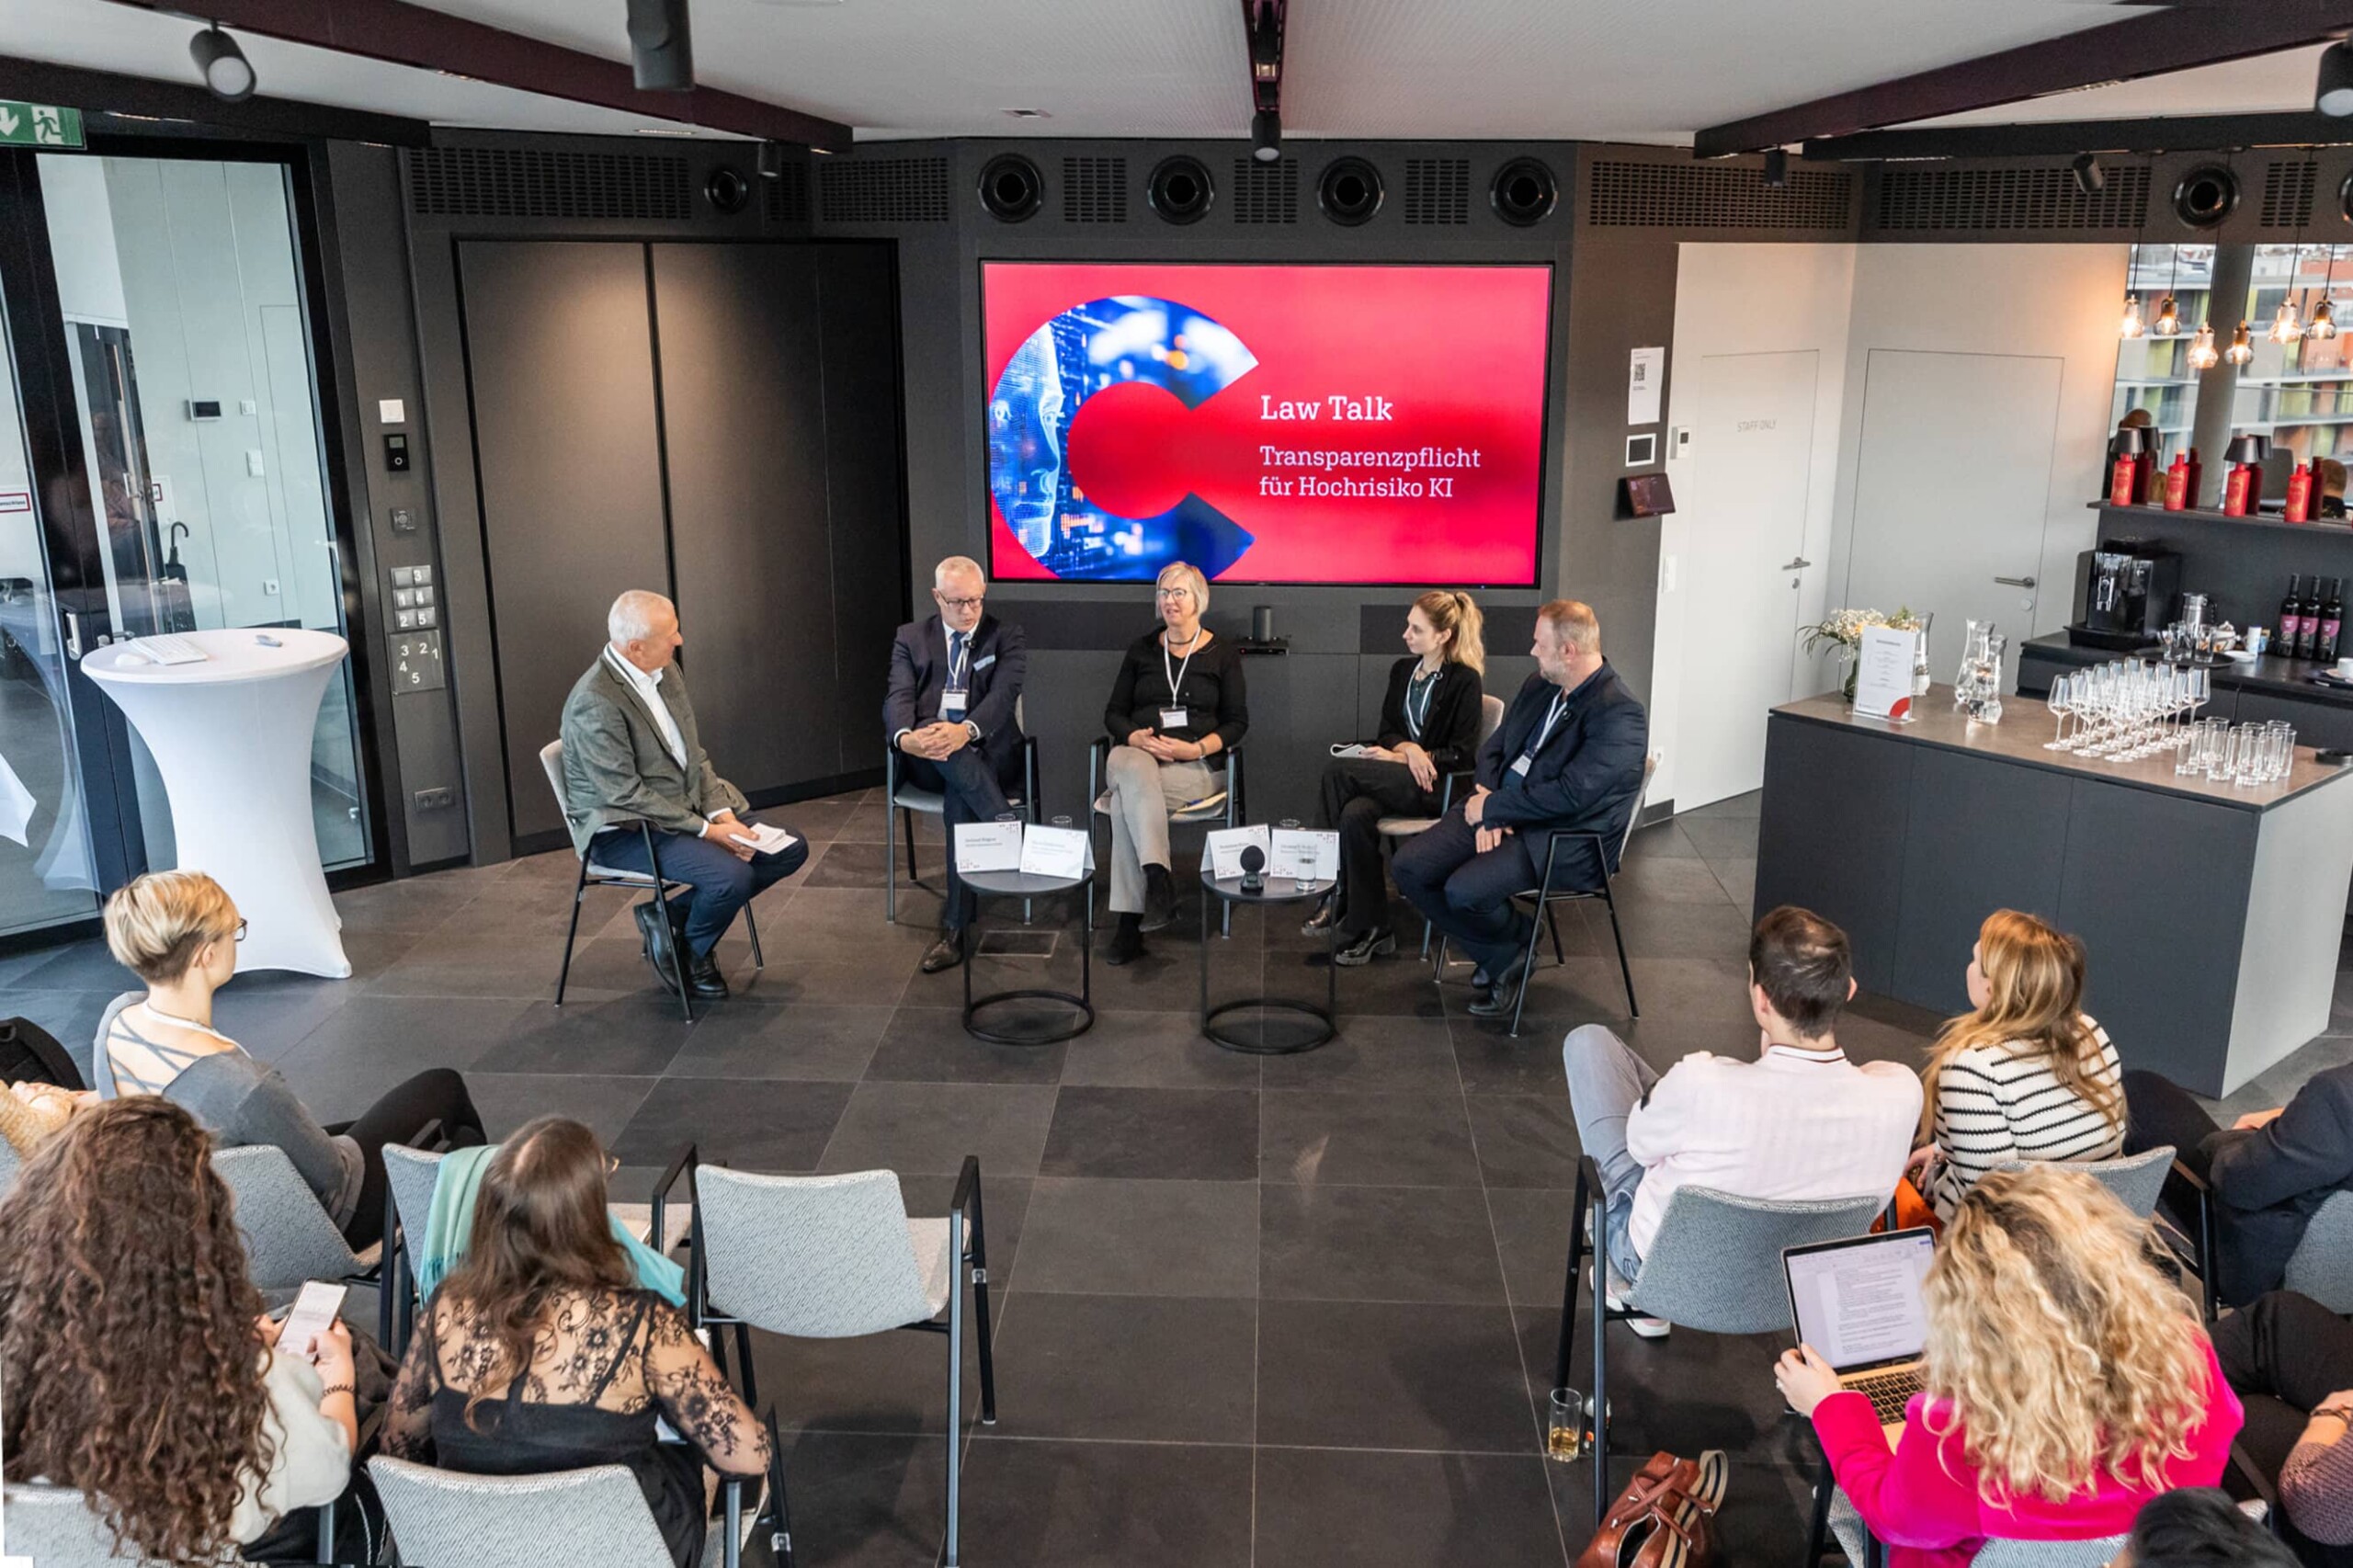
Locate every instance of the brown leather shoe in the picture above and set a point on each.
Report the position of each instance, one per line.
(945, 953)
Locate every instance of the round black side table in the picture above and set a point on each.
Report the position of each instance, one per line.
(1277, 890)
(1019, 884)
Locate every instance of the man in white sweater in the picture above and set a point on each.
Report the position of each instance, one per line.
(1800, 1122)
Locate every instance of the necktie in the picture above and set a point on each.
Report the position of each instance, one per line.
(956, 672)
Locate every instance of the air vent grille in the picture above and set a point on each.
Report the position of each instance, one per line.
(1266, 193)
(515, 182)
(788, 195)
(885, 191)
(2012, 199)
(1437, 190)
(2288, 194)
(1095, 190)
(1685, 196)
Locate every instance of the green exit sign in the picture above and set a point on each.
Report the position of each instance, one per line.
(39, 125)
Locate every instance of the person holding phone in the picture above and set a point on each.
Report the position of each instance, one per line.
(1430, 728)
(140, 1369)
(1177, 704)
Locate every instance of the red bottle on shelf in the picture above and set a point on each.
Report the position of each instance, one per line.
(2177, 483)
(2239, 489)
(2122, 479)
(2301, 481)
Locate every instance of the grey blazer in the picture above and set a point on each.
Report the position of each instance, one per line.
(616, 768)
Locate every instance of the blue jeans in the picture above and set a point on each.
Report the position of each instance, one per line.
(969, 792)
(723, 884)
(1607, 1081)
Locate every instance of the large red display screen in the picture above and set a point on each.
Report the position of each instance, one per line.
(1316, 423)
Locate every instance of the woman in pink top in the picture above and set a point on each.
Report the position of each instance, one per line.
(2068, 1382)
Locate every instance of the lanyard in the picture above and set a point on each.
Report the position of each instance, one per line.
(1176, 679)
(1428, 687)
(1560, 704)
(960, 660)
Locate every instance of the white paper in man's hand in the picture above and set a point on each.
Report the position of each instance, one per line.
(1225, 845)
(1055, 852)
(1307, 856)
(766, 839)
(988, 847)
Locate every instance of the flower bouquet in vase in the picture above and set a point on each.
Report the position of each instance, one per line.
(1842, 629)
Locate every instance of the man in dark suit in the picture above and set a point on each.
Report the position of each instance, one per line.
(1568, 758)
(955, 677)
(631, 754)
(2270, 1170)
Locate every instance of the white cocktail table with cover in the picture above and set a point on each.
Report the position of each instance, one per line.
(232, 737)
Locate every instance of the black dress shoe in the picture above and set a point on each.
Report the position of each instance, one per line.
(1126, 943)
(1159, 899)
(1481, 979)
(945, 953)
(704, 982)
(1497, 999)
(655, 937)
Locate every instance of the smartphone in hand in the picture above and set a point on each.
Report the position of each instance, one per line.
(314, 1312)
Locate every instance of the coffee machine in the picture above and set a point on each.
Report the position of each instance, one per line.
(2126, 589)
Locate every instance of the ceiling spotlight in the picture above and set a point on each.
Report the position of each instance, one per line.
(2202, 355)
(2168, 322)
(2287, 327)
(1776, 168)
(2133, 326)
(1266, 135)
(228, 75)
(2333, 96)
(2090, 179)
(2241, 350)
(2323, 325)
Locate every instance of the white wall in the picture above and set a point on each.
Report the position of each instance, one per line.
(2042, 300)
(1744, 299)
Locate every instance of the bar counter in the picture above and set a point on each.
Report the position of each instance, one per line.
(2213, 913)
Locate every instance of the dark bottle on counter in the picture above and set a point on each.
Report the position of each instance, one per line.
(2293, 643)
(2332, 621)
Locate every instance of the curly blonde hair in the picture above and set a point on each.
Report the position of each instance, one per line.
(2061, 1348)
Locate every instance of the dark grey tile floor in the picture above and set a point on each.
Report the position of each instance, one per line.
(1283, 1312)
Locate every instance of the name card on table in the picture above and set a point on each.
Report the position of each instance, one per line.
(1307, 855)
(1883, 674)
(988, 847)
(1066, 852)
(1225, 846)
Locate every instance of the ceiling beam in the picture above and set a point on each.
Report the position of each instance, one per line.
(402, 34)
(110, 103)
(2179, 133)
(2148, 45)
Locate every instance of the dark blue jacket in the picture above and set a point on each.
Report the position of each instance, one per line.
(1586, 779)
(999, 662)
(2269, 1181)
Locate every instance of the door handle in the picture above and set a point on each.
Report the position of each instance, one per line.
(2015, 582)
(72, 634)
(1798, 565)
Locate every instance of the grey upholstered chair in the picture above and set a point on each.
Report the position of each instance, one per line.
(1714, 1266)
(53, 1528)
(2322, 1267)
(838, 1257)
(930, 802)
(1862, 1550)
(409, 1176)
(289, 1237)
(1397, 829)
(568, 1515)
(593, 875)
(2136, 1179)
(9, 1164)
(1219, 808)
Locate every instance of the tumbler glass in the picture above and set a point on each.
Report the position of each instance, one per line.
(1569, 1430)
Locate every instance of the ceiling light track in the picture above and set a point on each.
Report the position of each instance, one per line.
(1262, 22)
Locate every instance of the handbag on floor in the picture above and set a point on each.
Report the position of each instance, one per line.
(1661, 1520)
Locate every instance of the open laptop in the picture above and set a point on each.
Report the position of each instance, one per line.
(1858, 1303)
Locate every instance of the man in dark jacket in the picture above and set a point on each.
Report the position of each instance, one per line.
(955, 678)
(1568, 758)
(2270, 1170)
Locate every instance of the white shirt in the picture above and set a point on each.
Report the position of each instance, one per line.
(312, 1464)
(649, 691)
(1790, 1125)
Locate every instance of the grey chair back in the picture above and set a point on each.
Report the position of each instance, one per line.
(289, 1237)
(1491, 716)
(2136, 1179)
(1715, 1264)
(2322, 1267)
(410, 1175)
(1848, 1526)
(9, 1164)
(568, 1515)
(818, 1258)
(53, 1528)
(1649, 771)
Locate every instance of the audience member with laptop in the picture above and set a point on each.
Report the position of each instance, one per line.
(2062, 1379)
(1800, 1121)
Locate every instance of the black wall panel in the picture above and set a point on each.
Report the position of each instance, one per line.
(559, 352)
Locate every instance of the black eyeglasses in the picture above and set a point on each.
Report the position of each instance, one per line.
(959, 606)
(241, 930)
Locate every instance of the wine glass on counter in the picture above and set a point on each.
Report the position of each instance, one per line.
(2062, 702)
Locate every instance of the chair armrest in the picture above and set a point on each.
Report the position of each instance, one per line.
(1098, 759)
(1446, 789)
(964, 1211)
(1030, 777)
(687, 1161)
(890, 771)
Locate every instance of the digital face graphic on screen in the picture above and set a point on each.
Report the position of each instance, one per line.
(1267, 423)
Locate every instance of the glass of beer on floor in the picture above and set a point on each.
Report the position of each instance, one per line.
(1566, 1436)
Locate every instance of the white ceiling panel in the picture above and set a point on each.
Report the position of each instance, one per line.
(2267, 83)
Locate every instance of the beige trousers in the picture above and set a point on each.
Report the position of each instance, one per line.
(1141, 793)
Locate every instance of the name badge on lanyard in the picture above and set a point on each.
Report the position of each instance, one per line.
(1551, 718)
(1176, 717)
(953, 696)
(952, 704)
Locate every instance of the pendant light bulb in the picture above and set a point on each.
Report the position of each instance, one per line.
(2286, 325)
(2323, 326)
(2241, 350)
(2202, 355)
(2168, 322)
(2133, 325)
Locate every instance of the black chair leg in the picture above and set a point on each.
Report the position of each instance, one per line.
(988, 1352)
(1569, 1286)
(1625, 969)
(743, 1355)
(1817, 1538)
(1553, 924)
(579, 891)
(1598, 1454)
(1527, 969)
(907, 822)
(752, 929)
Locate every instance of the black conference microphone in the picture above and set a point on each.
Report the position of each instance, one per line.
(1253, 861)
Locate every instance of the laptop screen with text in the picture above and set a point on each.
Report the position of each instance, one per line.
(1858, 1303)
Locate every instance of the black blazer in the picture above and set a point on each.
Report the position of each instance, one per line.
(998, 663)
(1450, 727)
(1587, 778)
(1214, 691)
(2268, 1181)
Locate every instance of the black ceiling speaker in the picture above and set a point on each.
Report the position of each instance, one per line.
(1180, 189)
(727, 189)
(2345, 198)
(661, 46)
(2205, 196)
(1350, 191)
(2333, 95)
(1525, 192)
(1011, 188)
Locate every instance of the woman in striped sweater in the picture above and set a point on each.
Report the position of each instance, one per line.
(2022, 1075)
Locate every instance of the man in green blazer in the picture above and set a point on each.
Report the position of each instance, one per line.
(631, 754)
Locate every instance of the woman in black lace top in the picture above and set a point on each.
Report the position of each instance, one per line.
(545, 1288)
